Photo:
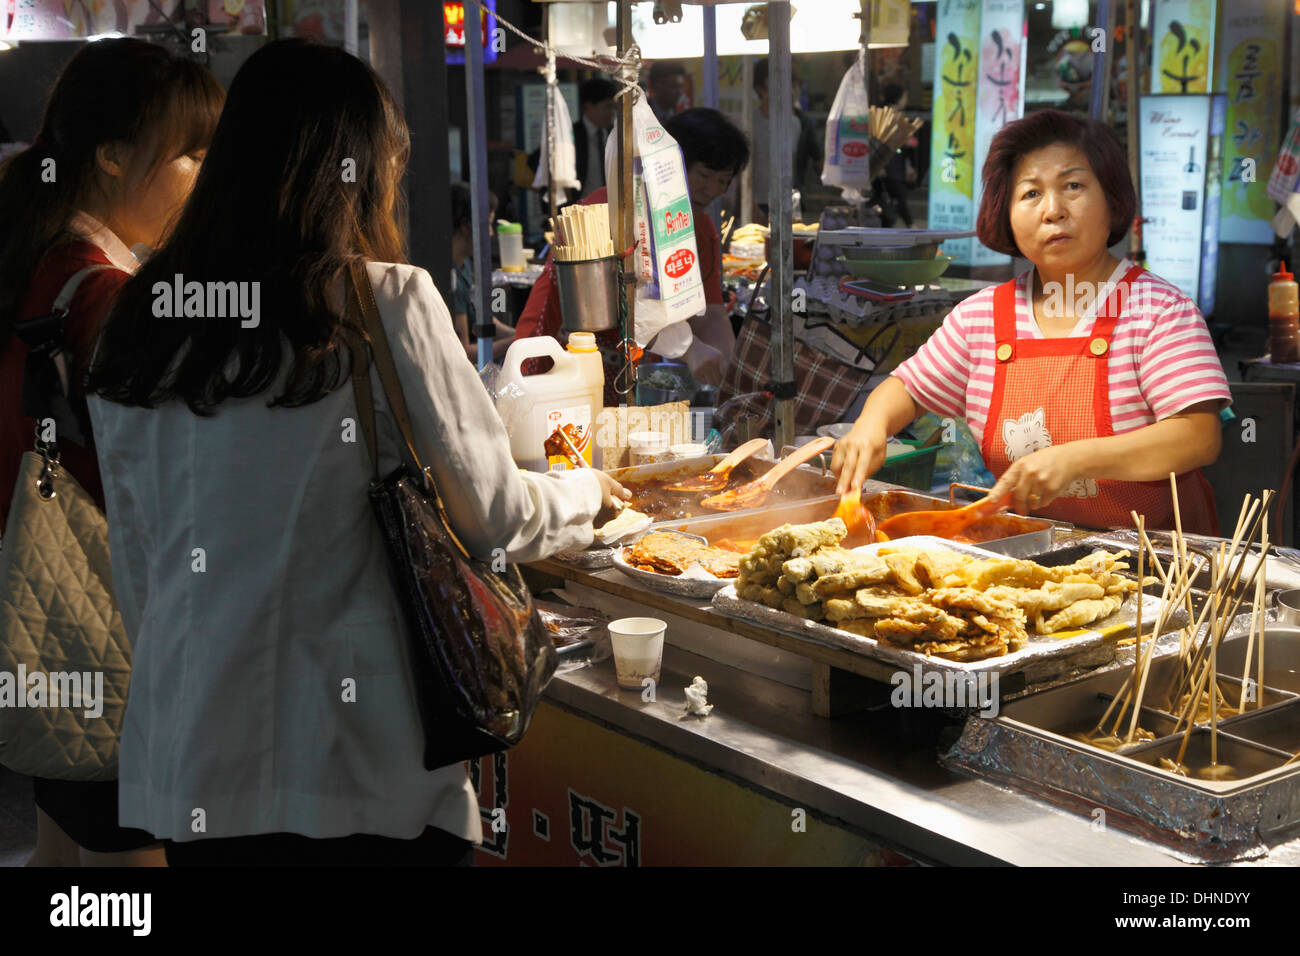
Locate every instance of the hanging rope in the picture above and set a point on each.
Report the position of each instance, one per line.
(625, 70)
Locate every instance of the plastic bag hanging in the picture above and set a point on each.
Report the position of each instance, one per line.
(557, 140)
(848, 136)
(670, 288)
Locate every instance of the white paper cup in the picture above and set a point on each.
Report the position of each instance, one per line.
(638, 649)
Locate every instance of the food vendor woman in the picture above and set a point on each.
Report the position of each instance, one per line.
(1087, 380)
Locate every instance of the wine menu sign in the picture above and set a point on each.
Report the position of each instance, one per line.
(1181, 166)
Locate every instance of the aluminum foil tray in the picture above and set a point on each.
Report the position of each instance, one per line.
(1043, 656)
(1029, 746)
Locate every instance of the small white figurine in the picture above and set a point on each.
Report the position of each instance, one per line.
(697, 697)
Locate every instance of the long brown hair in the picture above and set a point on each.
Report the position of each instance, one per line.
(273, 204)
(112, 91)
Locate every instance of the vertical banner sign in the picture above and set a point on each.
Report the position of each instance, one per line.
(1000, 93)
(1182, 32)
(1175, 136)
(956, 68)
(1251, 75)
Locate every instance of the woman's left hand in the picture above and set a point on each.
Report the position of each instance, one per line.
(1036, 480)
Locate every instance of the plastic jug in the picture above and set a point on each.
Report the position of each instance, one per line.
(510, 236)
(568, 395)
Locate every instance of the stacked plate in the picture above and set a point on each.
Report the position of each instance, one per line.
(896, 265)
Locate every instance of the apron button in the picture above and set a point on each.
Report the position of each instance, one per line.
(1097, 346)
(1004, 352)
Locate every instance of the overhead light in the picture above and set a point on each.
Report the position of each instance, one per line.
(1040, 6)
(1067, 14)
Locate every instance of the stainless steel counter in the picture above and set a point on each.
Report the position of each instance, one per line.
(876, 772)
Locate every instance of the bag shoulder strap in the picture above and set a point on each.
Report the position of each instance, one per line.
(362, 299)
(63, 301)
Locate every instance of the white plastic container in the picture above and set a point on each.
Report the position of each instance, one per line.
(570, 394)
(638, 644)
(649, 448)
(688, 450)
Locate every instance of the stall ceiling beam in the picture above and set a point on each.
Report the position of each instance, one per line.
(780, 213)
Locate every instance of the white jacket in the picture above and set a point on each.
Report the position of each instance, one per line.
(241, 650)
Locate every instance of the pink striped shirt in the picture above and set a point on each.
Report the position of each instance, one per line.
(1162, 359)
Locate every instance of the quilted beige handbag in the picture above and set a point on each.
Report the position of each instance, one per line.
(58, 617)
(65, 661)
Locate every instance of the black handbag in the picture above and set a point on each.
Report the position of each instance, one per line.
(480, 655)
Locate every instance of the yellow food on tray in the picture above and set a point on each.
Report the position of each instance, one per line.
(935, 602)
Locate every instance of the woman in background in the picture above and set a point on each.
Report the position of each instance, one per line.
(120, 144)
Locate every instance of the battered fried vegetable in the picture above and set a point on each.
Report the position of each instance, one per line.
(1079, 614)
(936, 602)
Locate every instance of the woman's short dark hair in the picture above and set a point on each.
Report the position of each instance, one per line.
(708, 137)
(1038, 130)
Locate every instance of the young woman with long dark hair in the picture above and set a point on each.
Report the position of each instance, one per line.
(120, 143)
(249, 569)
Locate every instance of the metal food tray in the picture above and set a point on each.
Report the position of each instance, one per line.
(599, 557)
(1036, 536)
(1028, 747)
(1044, 654)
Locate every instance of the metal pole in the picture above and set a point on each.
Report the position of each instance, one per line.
(710, 69)
(481, 210)
(1099, 98)
(1132, 32)
(351, 26)
(626, 227)
(780, 183)
(710, 63)
(550, 121)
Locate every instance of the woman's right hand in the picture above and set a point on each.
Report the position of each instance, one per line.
(859, 455)
(610, 492)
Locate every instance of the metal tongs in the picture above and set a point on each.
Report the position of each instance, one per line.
(575, 458)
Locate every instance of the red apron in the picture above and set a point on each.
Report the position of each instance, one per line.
(1057, 390)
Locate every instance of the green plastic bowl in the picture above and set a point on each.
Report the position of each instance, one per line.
(899, 271)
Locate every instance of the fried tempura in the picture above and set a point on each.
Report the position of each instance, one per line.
(936, 602)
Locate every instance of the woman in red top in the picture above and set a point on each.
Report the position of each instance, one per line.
(120, 144)
(714, 150)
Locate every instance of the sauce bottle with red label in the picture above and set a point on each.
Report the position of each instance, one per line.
(1284, 318)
